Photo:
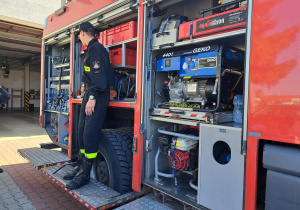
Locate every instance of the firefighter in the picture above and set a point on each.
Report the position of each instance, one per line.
(97, 78)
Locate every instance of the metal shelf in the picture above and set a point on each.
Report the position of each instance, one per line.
(117, 44)
(176, 120)
(62, 78)
(124, 67)
(126, 103)
(120, 43)
(61, 86)
(65, 113)
(61, 65)
(204, 39)
(57, 112)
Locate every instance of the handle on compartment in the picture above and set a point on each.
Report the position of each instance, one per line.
(175, 111)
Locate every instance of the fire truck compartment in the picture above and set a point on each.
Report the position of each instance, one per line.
(283, 177)
(41, 158)
(183, 192)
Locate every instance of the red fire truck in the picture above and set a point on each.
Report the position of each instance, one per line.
(206, 112)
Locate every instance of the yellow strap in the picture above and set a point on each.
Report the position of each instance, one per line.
(87, 69)
(91, 155)
(187, 77)
(82, 151)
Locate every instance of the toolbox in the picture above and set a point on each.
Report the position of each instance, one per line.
(167, 33)
(222, 22)
(119, 33)
(116, 57)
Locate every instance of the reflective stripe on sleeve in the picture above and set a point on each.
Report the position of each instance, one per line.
(82, 151)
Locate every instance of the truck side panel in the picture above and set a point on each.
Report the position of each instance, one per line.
(274, 90)
(74, 11)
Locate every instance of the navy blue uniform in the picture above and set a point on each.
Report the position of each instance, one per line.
(97, 78)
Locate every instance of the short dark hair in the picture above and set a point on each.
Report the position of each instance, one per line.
(91, 32)
(88, 28)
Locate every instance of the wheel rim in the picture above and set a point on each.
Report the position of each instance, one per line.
(102, 170)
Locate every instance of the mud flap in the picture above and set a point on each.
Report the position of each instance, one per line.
(94, 195)
(41, 158)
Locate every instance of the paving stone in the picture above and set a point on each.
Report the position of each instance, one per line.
(10, 201)
(14, 206)
(16, 191)
(19, 195)
(3, 191)
(6, 196)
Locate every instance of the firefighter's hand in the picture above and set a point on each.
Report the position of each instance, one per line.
(89, 108)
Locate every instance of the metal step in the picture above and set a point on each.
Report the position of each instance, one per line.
(41, 158)
(149, 202)
(95, 195)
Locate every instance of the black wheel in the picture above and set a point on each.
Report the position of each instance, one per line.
(128, 131)
(114, 160)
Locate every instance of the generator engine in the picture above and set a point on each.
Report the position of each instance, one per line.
(182, 159)
(198, 91)
(184, 154)
(204, 78)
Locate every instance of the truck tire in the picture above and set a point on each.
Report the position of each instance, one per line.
(128, 131)
(114, 160)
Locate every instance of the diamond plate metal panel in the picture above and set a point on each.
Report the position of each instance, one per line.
(43, 157)
(94, 194)
(145, 203)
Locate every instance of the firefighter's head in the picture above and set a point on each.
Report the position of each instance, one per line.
(86, 33)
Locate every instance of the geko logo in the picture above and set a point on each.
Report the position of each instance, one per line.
(168, 54)
(201, 49)
(211, 59)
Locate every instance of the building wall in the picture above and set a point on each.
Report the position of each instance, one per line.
(34, 11)
(16, 81)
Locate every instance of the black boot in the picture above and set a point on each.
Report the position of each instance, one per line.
(76, 170)
(83, 178)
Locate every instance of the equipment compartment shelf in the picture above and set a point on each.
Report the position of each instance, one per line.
(62, 78)
(62, 86)
(224, 36)
(120, 43)
(53, 111)
(127, 103)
